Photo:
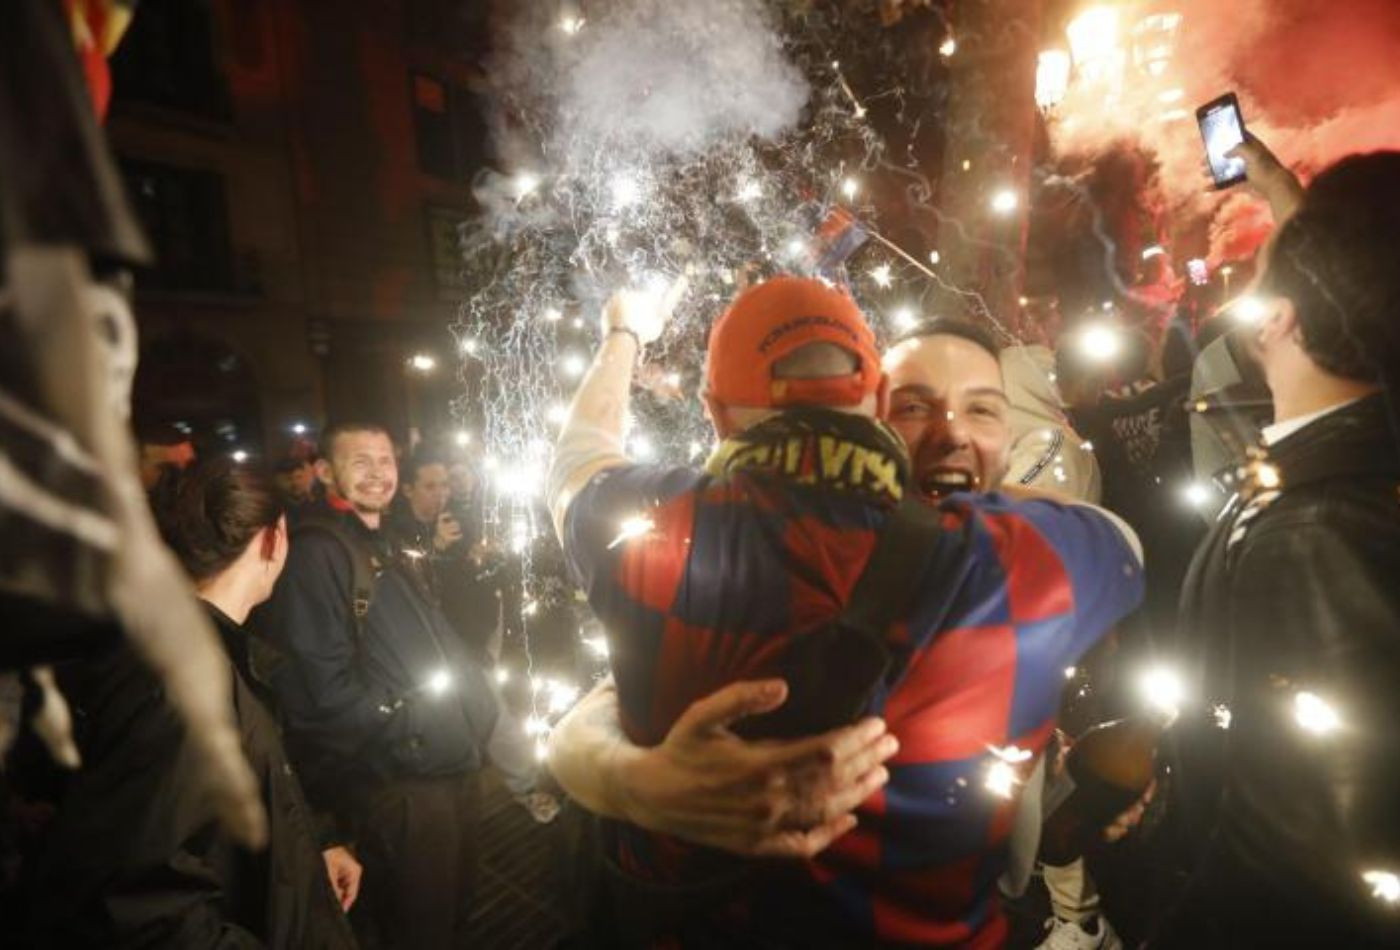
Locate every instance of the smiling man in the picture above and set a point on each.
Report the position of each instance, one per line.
(386, 714)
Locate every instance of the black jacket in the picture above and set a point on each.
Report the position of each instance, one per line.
(354, 697)
(1297, 590)
(134, 856)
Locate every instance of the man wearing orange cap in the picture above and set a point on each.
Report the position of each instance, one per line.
(744, 569)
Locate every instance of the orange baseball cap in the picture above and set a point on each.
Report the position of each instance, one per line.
(769, 321)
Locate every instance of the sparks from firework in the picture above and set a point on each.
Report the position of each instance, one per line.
(634, 526)
(612, 214)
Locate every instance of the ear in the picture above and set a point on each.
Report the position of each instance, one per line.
(324, 475)
(715, 412)
(270, 538)
(1281, 323)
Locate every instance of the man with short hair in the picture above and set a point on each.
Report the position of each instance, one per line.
(385, 712)
(704, 578)
(1286, 796)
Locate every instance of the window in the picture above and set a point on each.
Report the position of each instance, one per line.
(448, 125)
(445, 242)
(167, 59)
(185, 214)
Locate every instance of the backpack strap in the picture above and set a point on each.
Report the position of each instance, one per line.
(364, 565)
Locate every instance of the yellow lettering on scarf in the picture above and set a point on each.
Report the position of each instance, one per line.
(835, 455)
(794, 455)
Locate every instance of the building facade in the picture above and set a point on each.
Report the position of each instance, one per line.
(301, 167)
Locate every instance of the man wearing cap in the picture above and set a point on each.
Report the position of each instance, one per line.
(707, 577)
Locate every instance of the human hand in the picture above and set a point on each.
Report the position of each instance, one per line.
(765, 798)
(644, 312)
(448, 532)
(1269, 177)
(344, 873)
(1130, 819)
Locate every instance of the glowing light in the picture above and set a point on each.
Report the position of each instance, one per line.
(1163, 690)
(1197, 271)
(948, 47)
(1100, 342)
(422, 362)
(520, 480)
(850, 188)
(502, 675)
(641, 448)
(1051, 78)
(1195, 494)
(1151, 251)
(1171, 95)
(967, 164)
(1093, 35)
(439, 683)
(599, 646)
(904, 319)
(633, 527)
(572, 365)
(561, 697)
(1385, 885)
(556, 414)
(523, 184)
(695, 450)
(1071, 672)
(796, 248)
(470, 345)
(571, 24)
(529, 610)
(1249, 310)
(626, 191)
(881, 275)
(541, 750)
(1222, 715)
(535, 725)
(1005, 201)
(463, 438)
(553, 314)
(1267, 476)
(673, 380)
(239, 456)
(1314, 714)
(1002, 777)
(1226, 271)
(578, 323)
(749, 190)
(298, 428)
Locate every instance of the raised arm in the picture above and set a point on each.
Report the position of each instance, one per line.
(706, 785)
(591, 439)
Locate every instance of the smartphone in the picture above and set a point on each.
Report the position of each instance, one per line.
(1222, 127)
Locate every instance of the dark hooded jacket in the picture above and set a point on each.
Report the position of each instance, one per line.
(135, 857)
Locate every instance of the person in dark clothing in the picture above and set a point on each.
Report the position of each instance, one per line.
(134, 856)
(386, 712)
(1291, 612)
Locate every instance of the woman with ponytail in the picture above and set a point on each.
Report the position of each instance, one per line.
(135, 856)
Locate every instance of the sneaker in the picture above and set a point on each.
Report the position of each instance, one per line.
(1094, 933)
(542, 806)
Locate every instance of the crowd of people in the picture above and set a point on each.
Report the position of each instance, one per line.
(850, 653)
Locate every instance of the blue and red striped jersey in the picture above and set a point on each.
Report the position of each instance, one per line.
(715, 571)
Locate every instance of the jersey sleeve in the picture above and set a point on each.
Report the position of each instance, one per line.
(1081, 544)
(617, 505)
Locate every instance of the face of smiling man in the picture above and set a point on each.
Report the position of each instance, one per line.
(948, 403)
(362, 470)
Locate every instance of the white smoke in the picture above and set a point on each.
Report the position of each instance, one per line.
(676, 77)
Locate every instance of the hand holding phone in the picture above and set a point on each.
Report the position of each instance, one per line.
(1222, 128)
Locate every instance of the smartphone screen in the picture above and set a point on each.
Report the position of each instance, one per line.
(1223, 129)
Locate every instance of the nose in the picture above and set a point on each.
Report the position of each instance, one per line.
(949, 432)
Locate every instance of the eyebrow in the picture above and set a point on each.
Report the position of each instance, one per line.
(919, 389)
